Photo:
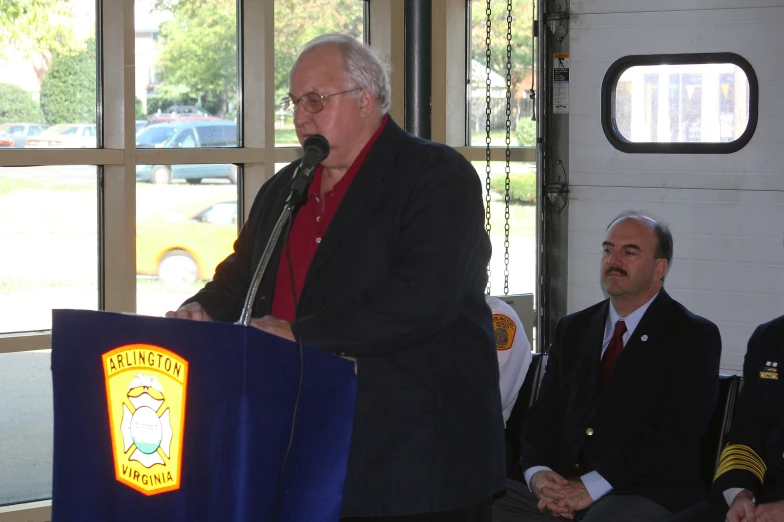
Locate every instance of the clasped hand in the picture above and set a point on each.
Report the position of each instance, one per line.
(559, 496)
(743, 509)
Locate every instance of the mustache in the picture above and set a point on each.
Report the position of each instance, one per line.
(615, 269)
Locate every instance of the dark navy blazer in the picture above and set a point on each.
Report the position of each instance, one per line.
(398, 281)
(641, 432)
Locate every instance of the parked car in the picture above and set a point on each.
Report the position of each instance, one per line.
(180, 113)
(156, 135)
(16, 134)
(188, 110)
(193, 134)
(185, 245)
(167, 117)
(140, 124)
(66, 136)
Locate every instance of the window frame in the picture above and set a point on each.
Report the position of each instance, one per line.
(610, 82)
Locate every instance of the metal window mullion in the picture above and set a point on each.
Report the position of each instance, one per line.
(25, 342)
(191, 156)
(257, 89)
(31, 157)
(117, 190)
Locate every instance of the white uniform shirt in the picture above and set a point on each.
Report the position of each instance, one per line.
(513, 350)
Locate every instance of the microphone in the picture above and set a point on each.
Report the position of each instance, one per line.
(316, 148)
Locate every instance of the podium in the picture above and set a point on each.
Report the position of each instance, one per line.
(170, 419)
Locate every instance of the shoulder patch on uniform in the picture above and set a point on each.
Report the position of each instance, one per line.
(505, 330)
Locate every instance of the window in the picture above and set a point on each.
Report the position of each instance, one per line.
(49, 221)
(155, 135)
(522, 225)
(500, 74)
(693, 103)
(220, 214)
(491, 85)
(50, 216)
(217, 135)
(26, 429)
(185, 139)
(49, 72)
(190, 84)
(182, 232)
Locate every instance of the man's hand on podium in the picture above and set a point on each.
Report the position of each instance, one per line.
(275, 326)
(281, 328)
(192, 311)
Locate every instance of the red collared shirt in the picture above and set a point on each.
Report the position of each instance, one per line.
(308, 228)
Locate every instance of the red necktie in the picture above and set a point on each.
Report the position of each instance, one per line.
(612, 352)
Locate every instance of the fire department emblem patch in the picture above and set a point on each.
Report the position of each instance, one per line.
(505, 330)
(145, 391)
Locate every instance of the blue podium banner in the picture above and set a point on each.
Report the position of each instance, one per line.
(168, 419)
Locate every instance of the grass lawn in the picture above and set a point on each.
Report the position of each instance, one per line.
(286, 137)
(11, 186)
(522, 219)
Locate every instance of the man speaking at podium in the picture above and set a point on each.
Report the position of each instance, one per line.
(385, 263)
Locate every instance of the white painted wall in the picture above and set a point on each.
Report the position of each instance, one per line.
(726, 211)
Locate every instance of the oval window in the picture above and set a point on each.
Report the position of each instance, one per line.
(698, 103)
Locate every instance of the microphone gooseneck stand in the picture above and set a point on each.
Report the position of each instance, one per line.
(316, 149)
(247, 308)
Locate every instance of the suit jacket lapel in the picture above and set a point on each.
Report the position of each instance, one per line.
(366, 185)
(648, 336)
(590, 351)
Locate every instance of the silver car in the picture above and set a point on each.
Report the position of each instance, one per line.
(16, 134)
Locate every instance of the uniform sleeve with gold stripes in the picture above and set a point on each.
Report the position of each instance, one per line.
(741, 464)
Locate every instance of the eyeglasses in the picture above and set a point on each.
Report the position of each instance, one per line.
(310, 101)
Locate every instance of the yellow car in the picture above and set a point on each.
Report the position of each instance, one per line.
(183, 246)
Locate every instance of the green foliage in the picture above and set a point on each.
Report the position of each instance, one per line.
(159, 103)
(16, 105)
(140, 110)
(68, 93)
(522, 220)
(35, 26)
(522, 187)
(166, 95)
(286, 136)
(199, 47)
(521, 44)
(526, 132)
(199, 56)
(295, 25)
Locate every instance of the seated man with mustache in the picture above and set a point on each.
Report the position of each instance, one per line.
(629, 389)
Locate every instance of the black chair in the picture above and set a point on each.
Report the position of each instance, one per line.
(525, 398)
(713, 441)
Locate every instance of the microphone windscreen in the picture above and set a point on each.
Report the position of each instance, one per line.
(316, 145)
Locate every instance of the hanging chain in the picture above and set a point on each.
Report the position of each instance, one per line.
(508, 157)
(488, 56)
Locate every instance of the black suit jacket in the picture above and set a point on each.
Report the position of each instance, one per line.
(398, 281)
(756, 438)
(642, 431)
